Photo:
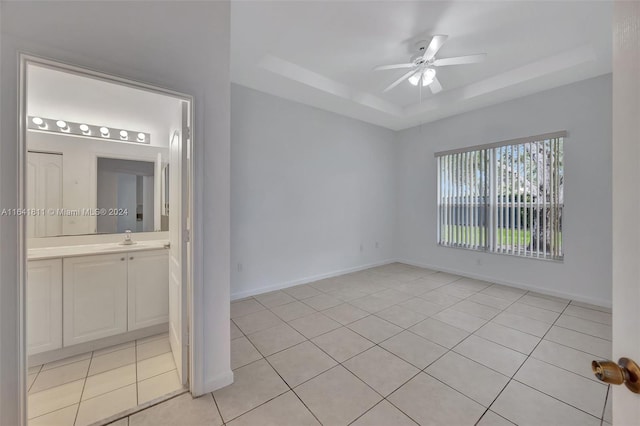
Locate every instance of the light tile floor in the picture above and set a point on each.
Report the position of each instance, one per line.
(93, 386)
(400, 345)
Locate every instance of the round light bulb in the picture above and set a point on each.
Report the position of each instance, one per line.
(84, 128)
(62, 125)
(142, 137)
(415, 79)
(37, 121)
(124, 134)
(104, 131)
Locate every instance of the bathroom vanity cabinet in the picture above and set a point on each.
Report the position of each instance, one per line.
(44, 305)
(80, 299)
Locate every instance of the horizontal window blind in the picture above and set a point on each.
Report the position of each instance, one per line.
(504, 198)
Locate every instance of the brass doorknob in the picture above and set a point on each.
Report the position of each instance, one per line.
(625, 371)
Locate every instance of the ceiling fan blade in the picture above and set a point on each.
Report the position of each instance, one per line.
(460, 60)
(400, 80)
(435, 86)
(434, 45)
(394, 66)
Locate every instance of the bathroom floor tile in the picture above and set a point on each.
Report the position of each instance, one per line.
(60, 375)
(153, 348)
(106, 405)
(54, 399)
(157, 365)
(158, 386)
(63, 417)
(112, 360)
(108, 381)
(183, 409)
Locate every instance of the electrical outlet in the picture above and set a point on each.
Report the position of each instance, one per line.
(239, 267)
(377, 245)
(361, 247)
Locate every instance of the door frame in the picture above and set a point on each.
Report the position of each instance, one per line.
(25, 59)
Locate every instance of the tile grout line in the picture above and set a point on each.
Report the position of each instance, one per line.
(84, 384)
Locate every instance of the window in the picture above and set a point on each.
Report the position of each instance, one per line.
(504, 198)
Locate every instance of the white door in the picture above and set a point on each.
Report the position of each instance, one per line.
(148, 288)
(44, 305)
(44, 191)
(626, 201)
(178, 236)
(94, 297)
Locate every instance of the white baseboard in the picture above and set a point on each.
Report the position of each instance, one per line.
(542, 290)
(218, 382)
(287, 284)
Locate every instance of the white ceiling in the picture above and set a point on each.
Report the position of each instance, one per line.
(321, 53)
(71, 97)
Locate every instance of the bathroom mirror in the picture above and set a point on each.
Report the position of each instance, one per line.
(97, 156)
(79, 186)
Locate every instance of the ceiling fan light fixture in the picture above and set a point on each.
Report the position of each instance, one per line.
(428, 76)
(415, 79)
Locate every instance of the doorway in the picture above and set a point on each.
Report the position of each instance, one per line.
(105, 176)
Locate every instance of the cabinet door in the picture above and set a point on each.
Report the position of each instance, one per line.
(95, 297)
(44, 305)
(148, 288)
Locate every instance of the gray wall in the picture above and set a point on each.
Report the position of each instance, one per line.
(308, 188)
(584, 110)
(179, 45)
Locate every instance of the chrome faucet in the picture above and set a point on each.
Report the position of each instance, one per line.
(127, 238)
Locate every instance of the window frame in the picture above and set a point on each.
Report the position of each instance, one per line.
(483, 207)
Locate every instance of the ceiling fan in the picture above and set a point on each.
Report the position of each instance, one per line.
(423, 63)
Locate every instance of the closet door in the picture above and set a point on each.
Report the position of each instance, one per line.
(44, 191)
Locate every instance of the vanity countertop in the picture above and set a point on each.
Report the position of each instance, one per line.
(93, 249)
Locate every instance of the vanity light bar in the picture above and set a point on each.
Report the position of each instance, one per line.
(87, 130)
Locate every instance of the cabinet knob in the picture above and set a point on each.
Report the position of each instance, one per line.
(122, 258)
(131, 258)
